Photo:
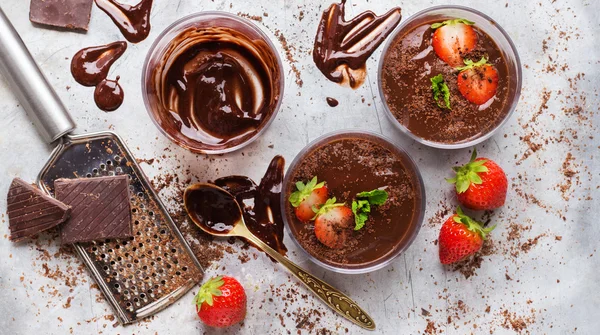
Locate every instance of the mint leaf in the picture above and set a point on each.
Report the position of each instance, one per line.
(439, 87)
(304, 191)
(360, 208)
(375, 197)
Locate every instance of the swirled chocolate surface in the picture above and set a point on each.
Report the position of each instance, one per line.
(215, 87)
(342, 47)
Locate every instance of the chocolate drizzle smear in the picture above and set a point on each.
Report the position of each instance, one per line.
(261, 203)
(90, 67)
(132, 21)
(342, 47)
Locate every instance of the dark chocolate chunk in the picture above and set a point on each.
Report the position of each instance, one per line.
(69, 14)
(100, 208)
(30, 211)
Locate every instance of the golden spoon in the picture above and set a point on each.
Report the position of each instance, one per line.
(216, 211)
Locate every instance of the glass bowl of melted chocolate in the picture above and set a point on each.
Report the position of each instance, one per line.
(449, 77)
(353, 201)
(212, 82)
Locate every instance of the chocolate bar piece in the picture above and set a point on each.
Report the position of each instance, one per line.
(69, 14)
(30, 211)
(100, 208)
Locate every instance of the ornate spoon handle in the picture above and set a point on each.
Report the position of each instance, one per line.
(335, 299)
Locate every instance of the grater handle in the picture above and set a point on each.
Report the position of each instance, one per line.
(40, 101)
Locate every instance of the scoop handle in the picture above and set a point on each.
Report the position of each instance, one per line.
(332, 297)
(24, 77)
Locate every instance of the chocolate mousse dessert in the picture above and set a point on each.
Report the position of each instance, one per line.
(215, 85)
(445, 80)
(353, 201)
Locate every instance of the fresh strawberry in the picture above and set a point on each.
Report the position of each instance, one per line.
(460, 237)
(307, 196)
(221, 302)
(478, 82)
(480, 184)
(334, 223)
(452, 39)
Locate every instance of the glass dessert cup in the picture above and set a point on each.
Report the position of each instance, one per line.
(400, 242)
(495, 32)
(162, 116)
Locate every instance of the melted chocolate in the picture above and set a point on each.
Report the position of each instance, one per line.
(108, 95)
(90, 66)
(350, 164)
(408, 65)
(261, 203)
(132, 21)
(332, 102)
(342, 47)
(215, 87)
(212, 208)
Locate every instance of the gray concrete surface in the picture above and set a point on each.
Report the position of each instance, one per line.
(540, 277)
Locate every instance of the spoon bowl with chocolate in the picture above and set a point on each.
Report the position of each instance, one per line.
(449, 77)
(217, 212)
(212, 82)
(353, 201)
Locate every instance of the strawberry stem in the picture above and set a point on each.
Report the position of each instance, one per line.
(471, 224)
(209, 289)
(468, 173)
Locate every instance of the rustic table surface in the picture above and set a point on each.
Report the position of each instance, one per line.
(538, 273)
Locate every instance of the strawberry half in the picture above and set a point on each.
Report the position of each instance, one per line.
(307, 197)
(452, 39)
(481, 184)
(221, 302)
(460, 237)
(478, 82)
(334, 223)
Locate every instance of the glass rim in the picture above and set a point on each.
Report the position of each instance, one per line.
(441, 145)
(197, 17)
(419, 184)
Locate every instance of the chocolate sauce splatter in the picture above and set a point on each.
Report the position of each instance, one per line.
(90, 66)
(261, 204)
(108, 95)
(132, 21)
(342, 47)
(332, 102)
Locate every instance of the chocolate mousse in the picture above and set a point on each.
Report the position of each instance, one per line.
(349, 164)
(215, 87)
(411, 65)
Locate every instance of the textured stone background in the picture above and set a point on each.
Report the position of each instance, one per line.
(539, 273)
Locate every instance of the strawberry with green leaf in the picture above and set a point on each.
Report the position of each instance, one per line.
(361, 207)
(307, 196)
(481, 184)
(478, 81)
(460, 237)
(221, 302)
(333, 223)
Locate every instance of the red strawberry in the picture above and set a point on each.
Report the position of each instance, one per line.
(453, 39)
(480, 184)
(221, 302)
(460, 237)
(308, 196)
(478, 82)
(334, 223)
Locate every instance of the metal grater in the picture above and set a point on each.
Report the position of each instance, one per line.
(140, 275)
